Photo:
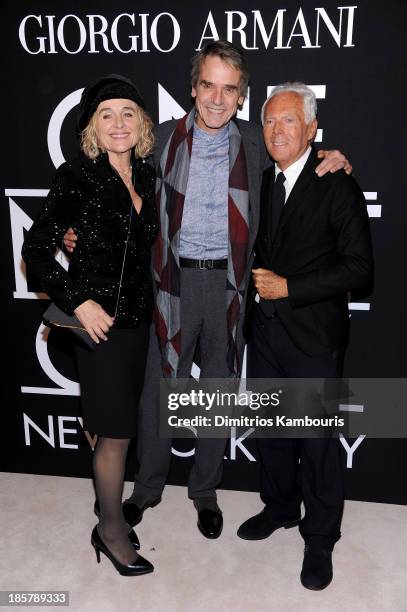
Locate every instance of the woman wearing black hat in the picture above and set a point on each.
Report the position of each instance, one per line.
(107, 195)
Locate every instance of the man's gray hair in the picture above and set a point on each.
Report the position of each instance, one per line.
(308, 96)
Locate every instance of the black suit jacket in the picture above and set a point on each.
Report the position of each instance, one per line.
(323, 248)
(89, 196)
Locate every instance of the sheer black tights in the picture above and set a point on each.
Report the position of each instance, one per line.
(109, 462)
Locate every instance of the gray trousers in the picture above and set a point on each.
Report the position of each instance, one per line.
(203, 318)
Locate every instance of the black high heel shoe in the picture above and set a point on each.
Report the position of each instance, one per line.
(132, 535)
(137, 568)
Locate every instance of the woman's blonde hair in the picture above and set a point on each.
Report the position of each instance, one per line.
(144, 146)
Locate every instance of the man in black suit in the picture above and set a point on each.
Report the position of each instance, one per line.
(313, 247)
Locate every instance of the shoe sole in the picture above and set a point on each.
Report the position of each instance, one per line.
(285, 525)
(143, 573)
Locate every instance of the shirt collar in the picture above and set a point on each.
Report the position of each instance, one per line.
(293, 172)
(204, 135)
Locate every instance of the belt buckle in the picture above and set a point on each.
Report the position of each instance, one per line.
(205, 264)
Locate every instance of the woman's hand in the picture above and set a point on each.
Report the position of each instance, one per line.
(94, 319)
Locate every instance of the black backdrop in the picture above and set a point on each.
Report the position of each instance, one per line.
(354, 54)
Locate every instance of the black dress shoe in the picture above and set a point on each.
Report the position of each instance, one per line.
(131, 512)
(261, 526)
(138, 567)
(316, 571)
(210, 523)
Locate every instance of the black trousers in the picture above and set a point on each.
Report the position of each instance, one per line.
(295, 470)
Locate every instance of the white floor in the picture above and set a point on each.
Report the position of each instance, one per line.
(46, 523)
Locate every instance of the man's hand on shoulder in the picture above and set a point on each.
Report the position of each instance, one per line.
(70, 239)
(269, 285)
(332, 161)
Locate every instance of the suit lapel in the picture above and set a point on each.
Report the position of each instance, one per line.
(263, 244)
(267, 202)
(298, 193)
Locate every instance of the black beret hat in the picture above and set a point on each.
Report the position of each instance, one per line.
(106, 88)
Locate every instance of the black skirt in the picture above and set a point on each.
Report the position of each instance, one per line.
(111, 378)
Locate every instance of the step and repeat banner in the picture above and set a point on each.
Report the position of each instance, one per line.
(351, 54)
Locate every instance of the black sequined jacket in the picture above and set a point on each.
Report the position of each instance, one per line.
(89, 196)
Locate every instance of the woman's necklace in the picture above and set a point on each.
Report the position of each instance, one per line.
(126, 176)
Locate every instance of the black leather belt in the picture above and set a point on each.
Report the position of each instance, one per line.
(204, 264)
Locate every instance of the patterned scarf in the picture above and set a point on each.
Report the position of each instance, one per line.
(172, 179)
